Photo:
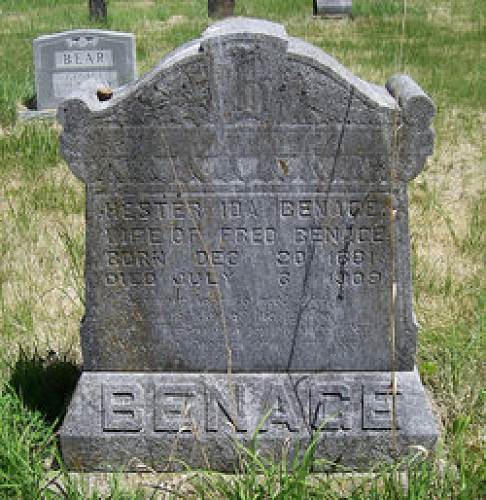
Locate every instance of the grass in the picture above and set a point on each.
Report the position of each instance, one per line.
(27, 442)
(439, 43)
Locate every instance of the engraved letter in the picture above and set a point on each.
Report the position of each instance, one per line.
(174, 407)
(330, 406)
(380, 411)
(279, 408)
(123, 409)
(231, 405)
(287, 208)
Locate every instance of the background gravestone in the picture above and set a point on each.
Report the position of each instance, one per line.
(247, 254)
(332, 7)
(63, 61)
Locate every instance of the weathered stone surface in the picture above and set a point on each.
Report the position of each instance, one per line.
(243, 199)
(161, 421)
(64, 60)
(415, 137)
(332, 7)
(247, 213)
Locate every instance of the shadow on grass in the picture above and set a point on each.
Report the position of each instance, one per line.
(45, 384)
(30, 102)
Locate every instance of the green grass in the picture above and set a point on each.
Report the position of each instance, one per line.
(26, 443)
(438, 42)
(28, 448)
(414, 478)
(26, 148)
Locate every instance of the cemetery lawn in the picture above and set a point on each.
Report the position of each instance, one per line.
(437, 42)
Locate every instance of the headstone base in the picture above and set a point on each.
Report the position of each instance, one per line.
(170, 421)
(27, 115)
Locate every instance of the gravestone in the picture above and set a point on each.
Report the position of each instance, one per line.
(332, 7)
(63, 61)
(247, 259)
(221, 8)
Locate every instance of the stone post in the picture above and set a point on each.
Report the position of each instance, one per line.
(332, 8)
(97, 9)
(221, 8)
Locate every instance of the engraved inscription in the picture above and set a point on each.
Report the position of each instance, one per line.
(64, 84)
(192, 408)
(345, 234)
(84, 58)
(275, 265)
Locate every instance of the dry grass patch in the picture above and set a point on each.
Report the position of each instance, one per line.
(41, 269)
(447, 192)
(158, 26)
(450, 16)
(175, 20)
(40, 274)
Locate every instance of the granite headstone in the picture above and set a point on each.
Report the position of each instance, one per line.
(247, 259)
(63, 61)
(332, 7)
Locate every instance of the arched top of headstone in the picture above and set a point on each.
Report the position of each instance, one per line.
(81, 38)
(246, 73)
(244, 25)
(245, 29)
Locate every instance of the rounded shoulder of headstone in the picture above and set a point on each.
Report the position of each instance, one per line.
(74, 116)
(92, 96)
(416, 105)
